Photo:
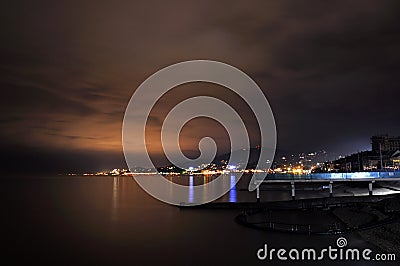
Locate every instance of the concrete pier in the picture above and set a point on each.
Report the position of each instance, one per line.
(330, 182)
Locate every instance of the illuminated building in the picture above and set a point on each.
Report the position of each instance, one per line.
(385, 143)
(384, 155)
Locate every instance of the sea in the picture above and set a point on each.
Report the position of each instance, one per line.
(110, 220)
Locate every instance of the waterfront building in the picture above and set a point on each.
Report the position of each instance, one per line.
(385, 143)
(384, 154)
(396, 160)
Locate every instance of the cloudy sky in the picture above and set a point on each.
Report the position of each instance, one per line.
(329, 70)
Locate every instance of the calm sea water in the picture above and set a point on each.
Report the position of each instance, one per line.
(111, 221)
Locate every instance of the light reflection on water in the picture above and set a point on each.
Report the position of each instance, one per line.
(193, 181)
(232, 192)
(191, 189)
(115, 197)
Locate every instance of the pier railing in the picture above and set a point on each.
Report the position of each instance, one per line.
(329, 179)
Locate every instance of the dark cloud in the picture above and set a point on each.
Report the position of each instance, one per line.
(329, 69)
(23, 99)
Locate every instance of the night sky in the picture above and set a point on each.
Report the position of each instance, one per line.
(329, 70)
